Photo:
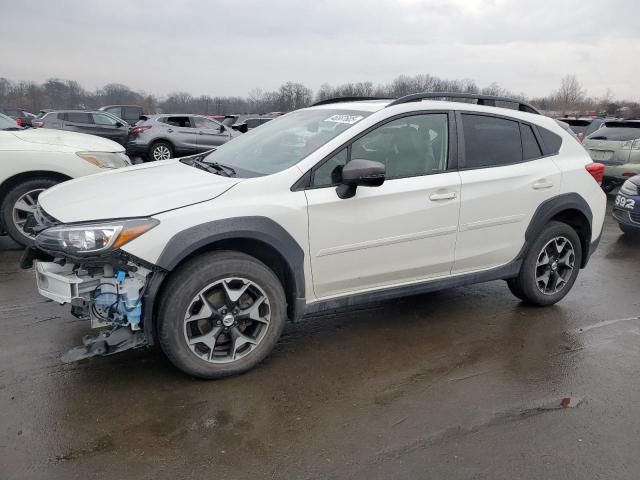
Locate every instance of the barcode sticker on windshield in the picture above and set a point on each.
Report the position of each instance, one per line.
(350, 119)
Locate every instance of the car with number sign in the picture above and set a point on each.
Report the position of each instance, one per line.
(626, 209)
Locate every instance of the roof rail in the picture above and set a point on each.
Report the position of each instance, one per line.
(346, 99)
(487, 100)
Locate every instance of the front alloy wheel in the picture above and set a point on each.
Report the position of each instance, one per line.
(220, 314)
(227, 320)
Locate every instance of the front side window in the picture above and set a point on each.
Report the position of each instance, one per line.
(176, 121)
(102, 119)
(408, 146)
(490, 141)
(285, 141)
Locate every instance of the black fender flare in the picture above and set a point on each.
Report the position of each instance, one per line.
(552, 207)
(262, 229)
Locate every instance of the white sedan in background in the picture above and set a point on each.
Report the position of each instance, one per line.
(32, 160)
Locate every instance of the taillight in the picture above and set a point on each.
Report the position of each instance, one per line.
(629, 174)
(37, 124)
(19, 122)
(597, 171)
(138, 130)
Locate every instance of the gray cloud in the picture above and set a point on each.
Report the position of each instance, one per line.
(228, 47)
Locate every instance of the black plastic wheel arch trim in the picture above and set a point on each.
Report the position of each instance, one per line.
(262, 229)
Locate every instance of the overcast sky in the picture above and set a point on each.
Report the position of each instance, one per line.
(228, 47)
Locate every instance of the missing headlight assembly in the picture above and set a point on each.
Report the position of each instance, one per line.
(109, 296)
(81, 264)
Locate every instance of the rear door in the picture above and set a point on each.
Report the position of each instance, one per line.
(182, 133)
(211, 134)
(505, 177)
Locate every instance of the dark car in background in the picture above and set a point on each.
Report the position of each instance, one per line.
(21, 116)
(129, 113)
(164, 136)
(616, 144)
(626, 209)
(97, 123)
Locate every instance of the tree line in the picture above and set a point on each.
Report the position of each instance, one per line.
(569, 99)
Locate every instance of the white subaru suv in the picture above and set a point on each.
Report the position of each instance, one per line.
(326, 207)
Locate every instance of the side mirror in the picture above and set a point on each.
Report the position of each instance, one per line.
(119, 125)
(357, 172)
(221, 128)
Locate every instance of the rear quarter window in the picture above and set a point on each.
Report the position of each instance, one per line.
(551, 142)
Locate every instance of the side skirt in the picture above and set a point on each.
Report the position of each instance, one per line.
(500, 273)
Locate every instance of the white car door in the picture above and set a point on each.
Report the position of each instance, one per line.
(505, 177)
(400, 232)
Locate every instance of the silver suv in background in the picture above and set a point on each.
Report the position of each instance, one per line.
(616, 145)
(164, 136)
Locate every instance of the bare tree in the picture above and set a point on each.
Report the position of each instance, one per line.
(571, 94)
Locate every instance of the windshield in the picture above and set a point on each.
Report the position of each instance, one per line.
(283, 142)
(7, 123)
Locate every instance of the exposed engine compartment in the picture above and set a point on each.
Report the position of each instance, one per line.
(108, 295)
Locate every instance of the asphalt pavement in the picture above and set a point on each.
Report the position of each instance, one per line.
(461, 384)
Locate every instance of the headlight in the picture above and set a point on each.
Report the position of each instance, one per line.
(630, 188)
(93, 238)
(105, 159)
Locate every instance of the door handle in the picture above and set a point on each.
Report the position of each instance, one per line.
(170, 130)
(542, 184)
(442, 196)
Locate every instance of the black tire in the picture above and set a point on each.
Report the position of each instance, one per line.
(9, 202)
(525, 286)
(156, 150)
(185, 283)
(630, 231)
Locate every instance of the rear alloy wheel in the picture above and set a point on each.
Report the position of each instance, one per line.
(220, 314)
(161, 151)
(19, 203)
(550, 266)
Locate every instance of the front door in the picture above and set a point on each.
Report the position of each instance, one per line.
(210, 134)
(401, 232)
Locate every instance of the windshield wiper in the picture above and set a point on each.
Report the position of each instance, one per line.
(228, 171)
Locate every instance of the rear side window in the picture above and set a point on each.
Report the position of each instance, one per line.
(176, 121)
(530, 147)
(113, 111)
(551, 142)
(78, 117)
(490, 141)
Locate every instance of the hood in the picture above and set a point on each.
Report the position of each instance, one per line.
(138, 191)
(73, 140)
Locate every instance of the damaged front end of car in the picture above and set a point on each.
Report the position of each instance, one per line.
(81, 264)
